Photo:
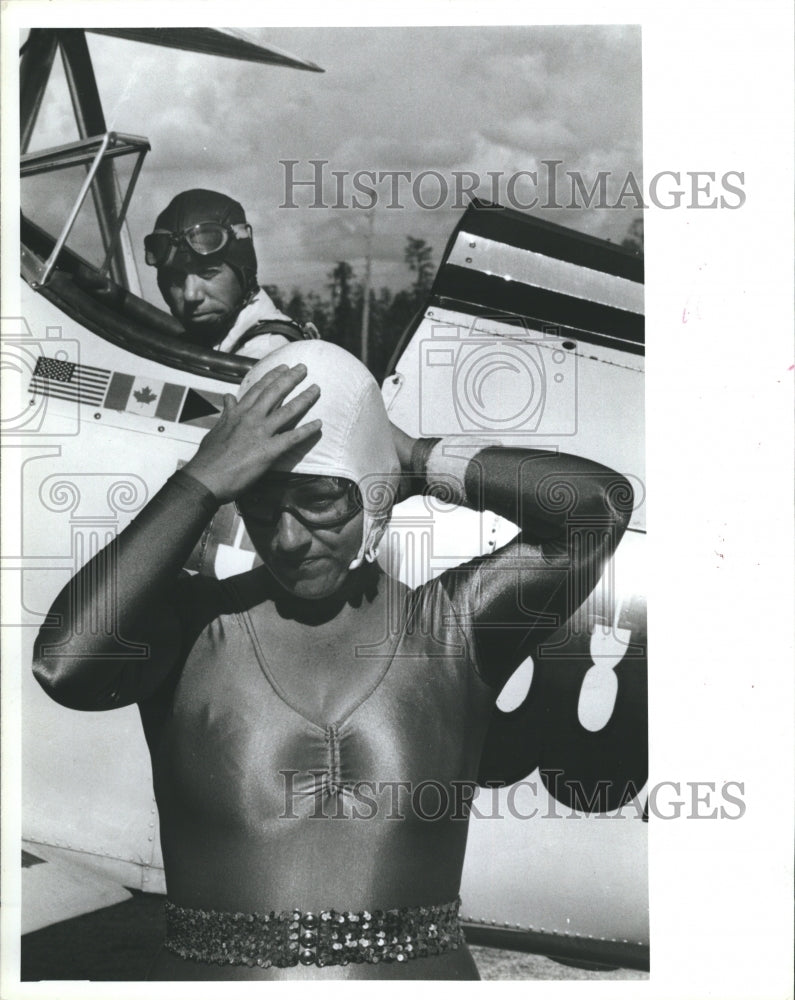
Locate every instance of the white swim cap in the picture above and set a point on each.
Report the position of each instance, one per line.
(356, 438)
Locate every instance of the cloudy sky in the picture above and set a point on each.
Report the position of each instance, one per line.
(440, 99)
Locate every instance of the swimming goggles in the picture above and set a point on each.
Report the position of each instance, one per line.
(313, 511)
(204, 238)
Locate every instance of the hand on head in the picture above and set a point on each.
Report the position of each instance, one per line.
(253, 432)
(356, 443)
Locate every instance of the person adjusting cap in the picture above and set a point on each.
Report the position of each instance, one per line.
(356, 442)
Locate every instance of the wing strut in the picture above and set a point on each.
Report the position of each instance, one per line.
(34, 72)
(90, 122)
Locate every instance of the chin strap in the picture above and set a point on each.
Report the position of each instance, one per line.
(369, 551)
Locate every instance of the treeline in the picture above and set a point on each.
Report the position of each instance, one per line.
(338, 315)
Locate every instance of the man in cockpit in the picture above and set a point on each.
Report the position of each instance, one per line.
(203, 249)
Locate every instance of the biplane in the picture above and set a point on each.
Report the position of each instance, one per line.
(532, 334)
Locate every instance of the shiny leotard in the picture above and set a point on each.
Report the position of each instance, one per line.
(263, 808)
(267, 804)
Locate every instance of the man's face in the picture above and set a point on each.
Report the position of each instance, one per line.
(308, 558)
(204, 297)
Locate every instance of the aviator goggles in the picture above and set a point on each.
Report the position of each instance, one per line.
(311, 508)
(204, 238)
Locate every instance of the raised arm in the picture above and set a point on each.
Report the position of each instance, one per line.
(116, 631)
(571, 512)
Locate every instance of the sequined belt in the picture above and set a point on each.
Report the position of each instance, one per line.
(330, 937)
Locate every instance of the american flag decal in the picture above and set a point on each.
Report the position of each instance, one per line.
(67, 380)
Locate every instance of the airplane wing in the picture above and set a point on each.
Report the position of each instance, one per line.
(226, 42)
(56, 886)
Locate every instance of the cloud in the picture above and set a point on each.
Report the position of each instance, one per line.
(441, 99)
(540, 135)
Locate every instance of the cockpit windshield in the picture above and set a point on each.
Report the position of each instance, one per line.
(81, 228)
(84, 208)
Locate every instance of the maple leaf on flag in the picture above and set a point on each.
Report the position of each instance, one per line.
(145, 395)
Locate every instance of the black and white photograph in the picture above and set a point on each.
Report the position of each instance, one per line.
(329, 447)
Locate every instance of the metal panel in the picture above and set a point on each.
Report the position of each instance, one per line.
(528, 232)
(522, 387)
(589, 872)
(534, 268)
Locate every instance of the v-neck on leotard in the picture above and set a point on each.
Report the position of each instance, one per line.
(262, 808)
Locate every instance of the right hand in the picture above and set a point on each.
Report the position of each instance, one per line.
(253, 432)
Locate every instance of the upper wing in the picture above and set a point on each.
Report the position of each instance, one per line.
(211, 41)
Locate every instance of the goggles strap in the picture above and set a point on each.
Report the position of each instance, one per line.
(338, 521)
